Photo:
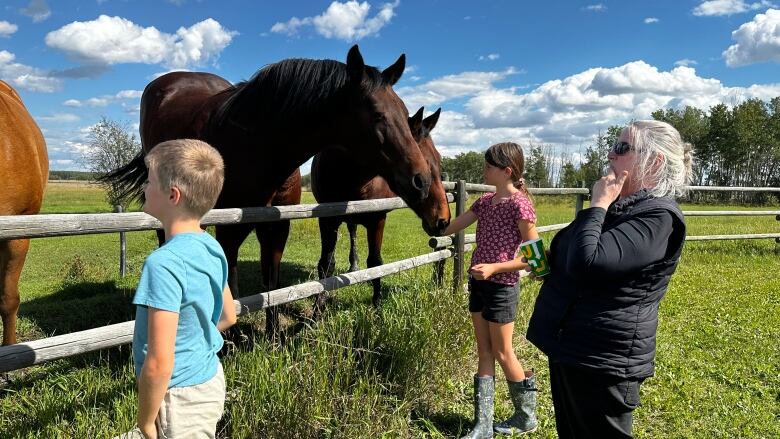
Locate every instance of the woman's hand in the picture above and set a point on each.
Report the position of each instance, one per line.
(482, 271)
(607, 189)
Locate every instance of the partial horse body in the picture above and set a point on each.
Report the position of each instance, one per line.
(266, 127)
(24, 169)
(336, 175)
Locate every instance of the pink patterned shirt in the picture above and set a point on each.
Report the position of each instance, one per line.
(498, 238)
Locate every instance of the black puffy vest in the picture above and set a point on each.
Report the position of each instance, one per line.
(607, 325)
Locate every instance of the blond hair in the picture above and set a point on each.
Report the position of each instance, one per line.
(192, 166)
(509, 155)
(658, 141)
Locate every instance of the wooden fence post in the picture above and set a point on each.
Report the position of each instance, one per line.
(580, 200)
(122, 248)
(461, 198)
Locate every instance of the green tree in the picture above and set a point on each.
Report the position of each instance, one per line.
(537, 168)
(467, 166)
(111, 146)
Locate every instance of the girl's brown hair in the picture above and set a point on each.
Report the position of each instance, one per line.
(509, 155)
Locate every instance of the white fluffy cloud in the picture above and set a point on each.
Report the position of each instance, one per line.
(115, 40)
(38, 10)
(685, 62)
(490, 57)
(59, 118)
(599, 7)
(104, 100)
(6, 28)
(757, 41)
(26, 77)
(347, 21)
(728, 7)
(450, 87)
(568, 111)
(651, 20)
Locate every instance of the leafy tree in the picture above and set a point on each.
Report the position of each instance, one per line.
(467, 166)
(537, 168)
(111, 146)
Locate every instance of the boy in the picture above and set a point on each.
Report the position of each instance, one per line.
(182, 299)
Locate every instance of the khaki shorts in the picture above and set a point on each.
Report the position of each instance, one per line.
(190, 412)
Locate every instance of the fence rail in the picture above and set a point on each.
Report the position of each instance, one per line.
(34, 226)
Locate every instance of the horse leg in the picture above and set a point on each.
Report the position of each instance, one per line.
(272, 238)
(375, 231)
(329, 228)
(12, 256)
(353, 257)
(230, 238)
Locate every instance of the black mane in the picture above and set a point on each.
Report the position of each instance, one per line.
(291, 89)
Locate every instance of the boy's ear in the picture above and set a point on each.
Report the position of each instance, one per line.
(175, 196)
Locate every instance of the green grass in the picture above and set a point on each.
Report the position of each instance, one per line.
(404, 370)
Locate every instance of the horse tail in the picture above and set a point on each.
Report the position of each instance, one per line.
(128, 180)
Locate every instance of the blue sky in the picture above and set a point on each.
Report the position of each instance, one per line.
(536, 72)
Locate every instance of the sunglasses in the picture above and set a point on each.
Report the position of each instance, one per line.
(621, 148)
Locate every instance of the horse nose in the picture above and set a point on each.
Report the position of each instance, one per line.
(442, 224)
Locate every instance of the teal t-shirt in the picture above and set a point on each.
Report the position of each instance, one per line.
(186, 275)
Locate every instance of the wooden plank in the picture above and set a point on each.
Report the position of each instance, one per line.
(40, 226)
(474, 187)
(53, 348)
(730, 212)
(732, 189)
(459, 263)
(726, 237)
(446, 241)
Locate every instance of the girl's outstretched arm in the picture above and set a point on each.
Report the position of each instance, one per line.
(466, 219)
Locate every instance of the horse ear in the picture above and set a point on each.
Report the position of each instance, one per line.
(392, 74)
(355, 65)
(415, 122)
(430, 122)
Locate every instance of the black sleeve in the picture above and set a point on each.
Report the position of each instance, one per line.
(622, 250)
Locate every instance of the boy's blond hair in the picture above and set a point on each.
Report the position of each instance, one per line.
(194, 167)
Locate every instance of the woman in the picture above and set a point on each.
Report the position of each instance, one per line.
(596, 315)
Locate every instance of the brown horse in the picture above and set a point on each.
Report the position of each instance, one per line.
(266, 127)
(24, 168)
(337, 176)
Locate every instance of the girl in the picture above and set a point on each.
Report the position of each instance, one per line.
(504, 219)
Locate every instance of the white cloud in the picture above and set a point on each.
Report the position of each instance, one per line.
(115, 40)
(6, 28)
(105, 100)
(650, 20)
(26, 77)
(490, 57)
(38, 10)
(347, 21)
(59, 118)
(728, 7)
(685, 62)
(450, 87)
(757, 41)
(568, 112)
(599, 7)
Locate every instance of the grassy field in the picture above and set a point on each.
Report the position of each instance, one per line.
(404, 370)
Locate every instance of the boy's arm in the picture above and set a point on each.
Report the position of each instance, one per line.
(228, 316)
(484, 271)
(466, 219)
(157, 369)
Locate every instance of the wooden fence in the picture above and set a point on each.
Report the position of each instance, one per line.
(26, 354)
(36, 226)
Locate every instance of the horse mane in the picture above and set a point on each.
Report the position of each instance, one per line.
(288, 90)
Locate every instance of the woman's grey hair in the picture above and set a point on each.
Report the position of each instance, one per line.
(659, 142)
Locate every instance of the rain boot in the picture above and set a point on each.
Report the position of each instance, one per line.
(523, 394)
(484, 390)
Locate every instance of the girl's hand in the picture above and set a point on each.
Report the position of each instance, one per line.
(607, 189)
(482, 271)
(530, 271)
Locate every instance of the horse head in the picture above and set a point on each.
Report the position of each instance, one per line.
(384, 137)
(434, 210)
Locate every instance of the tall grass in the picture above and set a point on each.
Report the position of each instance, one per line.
(403, 370)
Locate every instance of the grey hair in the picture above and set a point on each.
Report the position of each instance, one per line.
(654, 140)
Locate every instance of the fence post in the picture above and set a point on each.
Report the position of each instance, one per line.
(580, 200)
(461, 197)
(122, 248)
(777, 240)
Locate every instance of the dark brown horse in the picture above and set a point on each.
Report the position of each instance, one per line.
(24, 167)
(337, 176)
(266, 127)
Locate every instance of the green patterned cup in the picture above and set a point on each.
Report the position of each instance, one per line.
(534, 253)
